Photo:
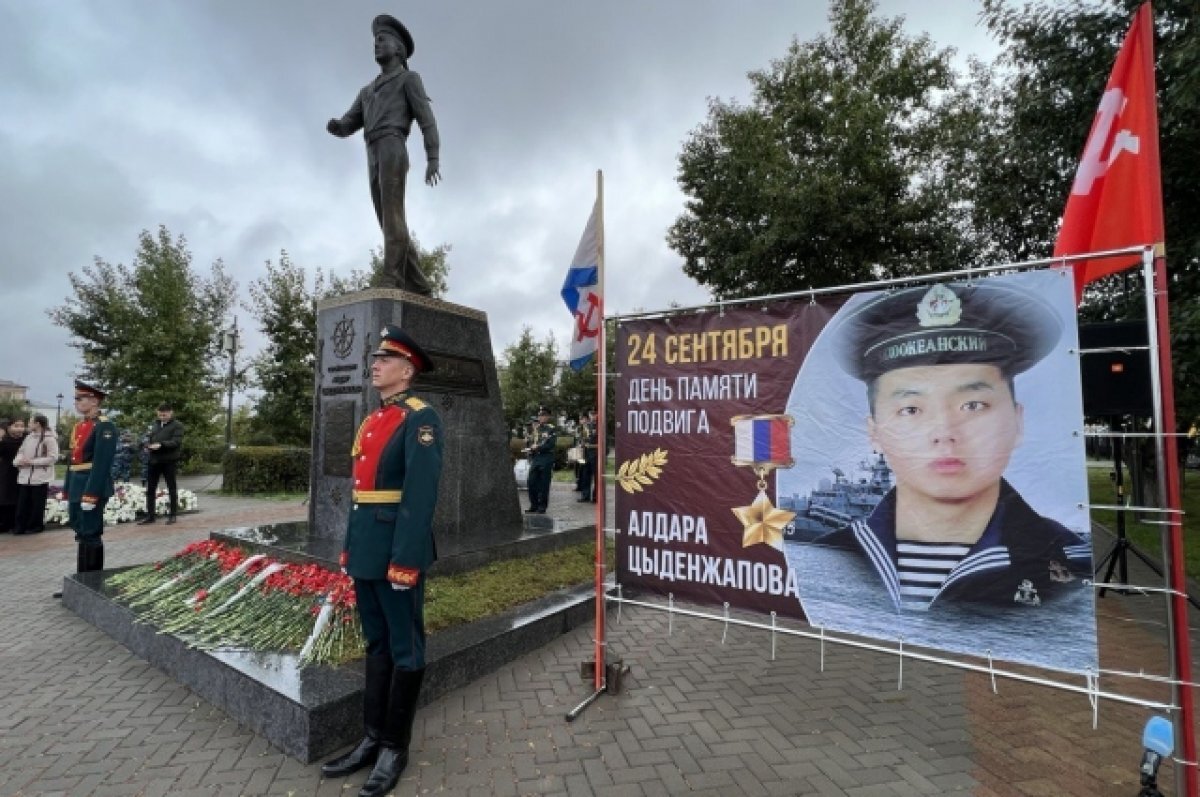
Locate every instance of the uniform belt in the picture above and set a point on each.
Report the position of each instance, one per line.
(82, 466)
(377, 496)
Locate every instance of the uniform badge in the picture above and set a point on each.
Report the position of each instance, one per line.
(1059, 572)
(425, 436)
(939, 307)
(1027, 594)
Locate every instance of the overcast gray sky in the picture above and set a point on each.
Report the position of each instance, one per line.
(208, 117)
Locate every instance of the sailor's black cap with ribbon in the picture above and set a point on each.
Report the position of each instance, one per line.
(985, 322)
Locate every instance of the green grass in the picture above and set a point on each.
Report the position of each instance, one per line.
(1147, 537)
(489, 590)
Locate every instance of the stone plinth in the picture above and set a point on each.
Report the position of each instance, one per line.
(311, 712)
(471, 548)
(478, 493)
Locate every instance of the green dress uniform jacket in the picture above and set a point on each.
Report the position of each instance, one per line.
(397, 467)
(89, 476)
(542, 446)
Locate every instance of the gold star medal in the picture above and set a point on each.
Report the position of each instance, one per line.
(762, 443)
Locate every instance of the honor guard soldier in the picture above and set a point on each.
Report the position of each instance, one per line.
(89, 482)
(543, 438)
(939, 365)
(389, 546)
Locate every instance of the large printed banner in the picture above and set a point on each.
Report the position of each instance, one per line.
(903, 465)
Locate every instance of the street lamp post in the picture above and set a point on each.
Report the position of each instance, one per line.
(229, 343)
(57, 411)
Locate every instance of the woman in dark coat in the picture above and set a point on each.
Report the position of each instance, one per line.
(10, 444)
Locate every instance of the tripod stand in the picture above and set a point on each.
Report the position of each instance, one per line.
(1117, 557)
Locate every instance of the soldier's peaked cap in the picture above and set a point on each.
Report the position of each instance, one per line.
(84, 387)
(394, 341)
(388, 23)
(984, 322)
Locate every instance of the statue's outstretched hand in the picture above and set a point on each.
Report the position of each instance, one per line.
(334, 126)
(433, 174)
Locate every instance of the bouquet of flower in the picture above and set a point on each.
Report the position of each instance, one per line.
(212, 595)
(127, 502)
(194, 562)
(177, 595)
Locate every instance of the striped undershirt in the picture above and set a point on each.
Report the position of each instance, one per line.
(922, 568)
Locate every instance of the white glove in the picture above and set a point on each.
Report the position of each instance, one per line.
(87, 506)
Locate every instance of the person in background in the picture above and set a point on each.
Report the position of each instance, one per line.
(123, 458)
(163, 445)
(542, 440)
(10, 444)
(35, 462)
(589, 429)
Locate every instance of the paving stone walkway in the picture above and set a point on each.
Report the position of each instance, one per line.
(80, 715)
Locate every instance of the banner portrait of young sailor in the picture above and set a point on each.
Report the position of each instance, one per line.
(389, 547)
(949, 554)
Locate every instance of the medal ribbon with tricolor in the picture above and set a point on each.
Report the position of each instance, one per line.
(762, 443)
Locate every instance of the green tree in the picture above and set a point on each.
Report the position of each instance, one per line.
(527, 378)
(285, 307)
(837, 171)
(575, 392)
(1053, 69)
(14, 408)
(149, 332)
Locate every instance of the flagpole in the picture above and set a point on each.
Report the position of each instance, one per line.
(1154, 268)
(601, 448)
(599, 670)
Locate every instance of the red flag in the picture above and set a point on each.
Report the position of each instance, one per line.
(1116, 199)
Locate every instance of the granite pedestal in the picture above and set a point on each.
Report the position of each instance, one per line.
(309, 713)
(477, 497)
(296, 542)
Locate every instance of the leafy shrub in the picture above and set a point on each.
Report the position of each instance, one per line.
(266, 469)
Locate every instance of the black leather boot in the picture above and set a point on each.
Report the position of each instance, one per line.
(393, 758)
(96, 557)
(90, 557)
(375, 701)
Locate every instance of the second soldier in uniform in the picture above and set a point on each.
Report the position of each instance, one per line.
(543, 439)
(89, 482)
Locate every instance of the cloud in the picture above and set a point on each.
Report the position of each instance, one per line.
(209, 118)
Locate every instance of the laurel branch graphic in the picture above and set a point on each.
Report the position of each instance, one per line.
(640, 472)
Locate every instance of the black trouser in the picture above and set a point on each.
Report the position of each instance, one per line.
(167, 471)
(587, 478)
(539, 485)
(31, 507)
